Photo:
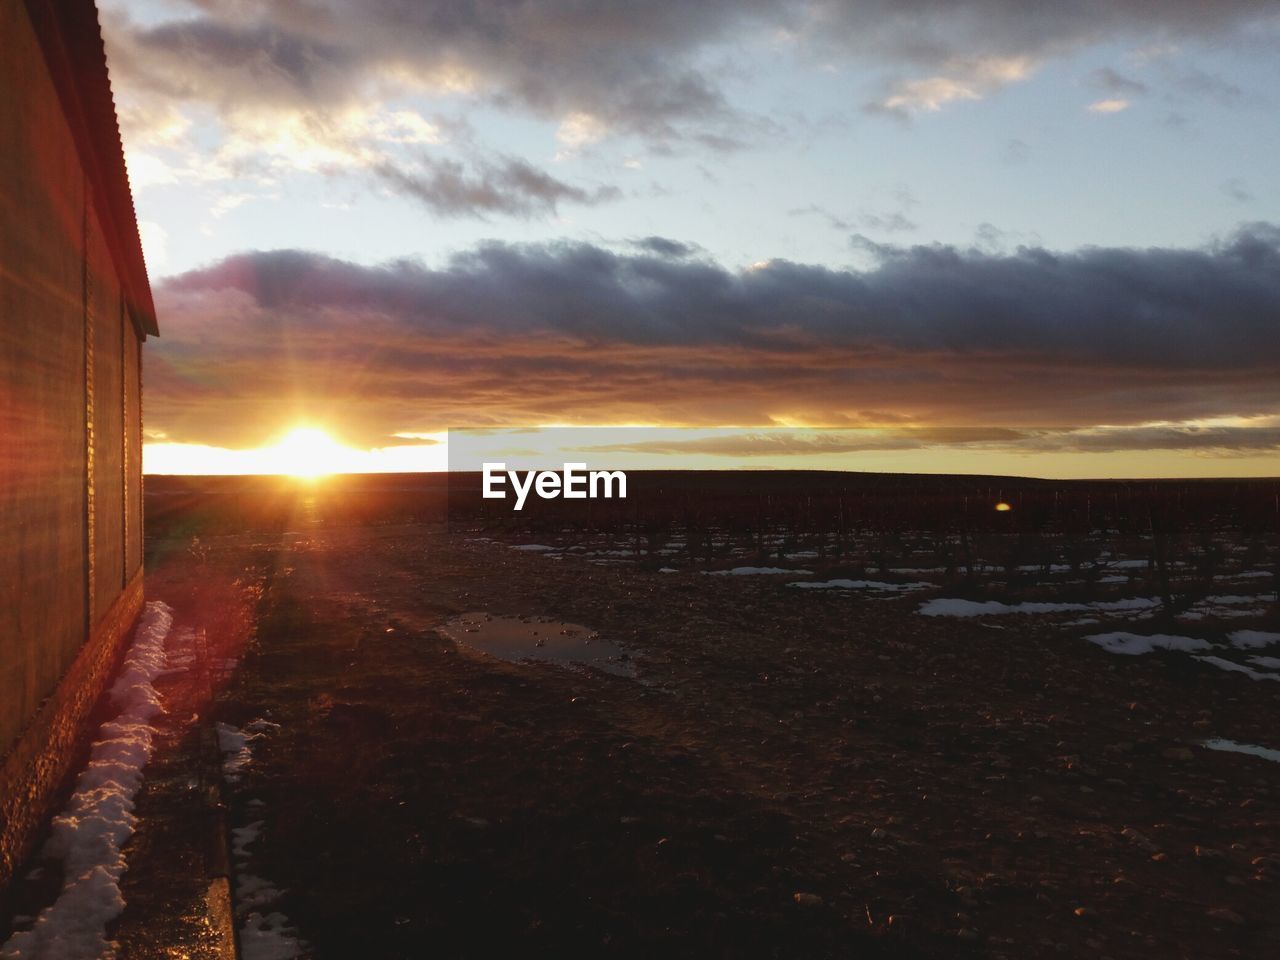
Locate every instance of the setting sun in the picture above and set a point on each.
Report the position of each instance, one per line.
(309, 452)
(306, 452)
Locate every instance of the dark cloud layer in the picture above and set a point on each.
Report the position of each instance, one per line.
(626, 63)
(580, 333)
(938, 31)
(635, 66)
(318, 83)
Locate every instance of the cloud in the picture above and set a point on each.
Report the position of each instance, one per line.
(579, 130)
(932, 32)
(990, 239)
(1114, 82)
(963, 80)
(1109, 106)
(1241, 439)
(574, 332)
(508, 186)
(809, 442)
(1259, 435)
(838, 222)
(388, 147)
(1193, 82)
(927, 93)
(666, 247)
(590, 68)
(155, 245)
(942, 52)
(1238, 190)
(891, 221)
(1015, 152)
(616, 66)
(146, 170)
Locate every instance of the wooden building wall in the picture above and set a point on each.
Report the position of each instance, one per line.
(70, 441)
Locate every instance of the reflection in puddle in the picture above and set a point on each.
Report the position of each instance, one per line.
(538, 638)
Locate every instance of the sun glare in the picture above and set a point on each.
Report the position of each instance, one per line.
(309, 452)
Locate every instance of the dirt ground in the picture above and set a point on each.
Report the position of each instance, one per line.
(823, 776)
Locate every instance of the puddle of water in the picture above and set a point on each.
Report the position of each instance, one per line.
(521, 639)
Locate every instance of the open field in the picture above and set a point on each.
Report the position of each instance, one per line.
(810, 715)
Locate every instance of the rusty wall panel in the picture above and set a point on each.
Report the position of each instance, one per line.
(133, 452)
(107, 325)
(42, 431)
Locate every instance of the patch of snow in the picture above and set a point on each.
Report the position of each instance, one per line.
(89, 835)
(1134, 644)
(1232, 667)
(668, 570)
(253, 892)
(263, 936)
(843, 584)
(241, 837)
(234, 744)
(532, 547)
(1230, 613)
(1252, 639)
(1231, 746)
(754, 571)
(955, 607)
(269, 937)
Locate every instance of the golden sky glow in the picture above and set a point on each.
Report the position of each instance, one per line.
(310, 451)
(305, 451)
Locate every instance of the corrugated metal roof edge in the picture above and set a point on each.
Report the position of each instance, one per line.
(71, 38)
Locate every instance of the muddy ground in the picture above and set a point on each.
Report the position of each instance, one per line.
(819, 776)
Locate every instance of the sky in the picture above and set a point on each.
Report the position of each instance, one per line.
(379, 220)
